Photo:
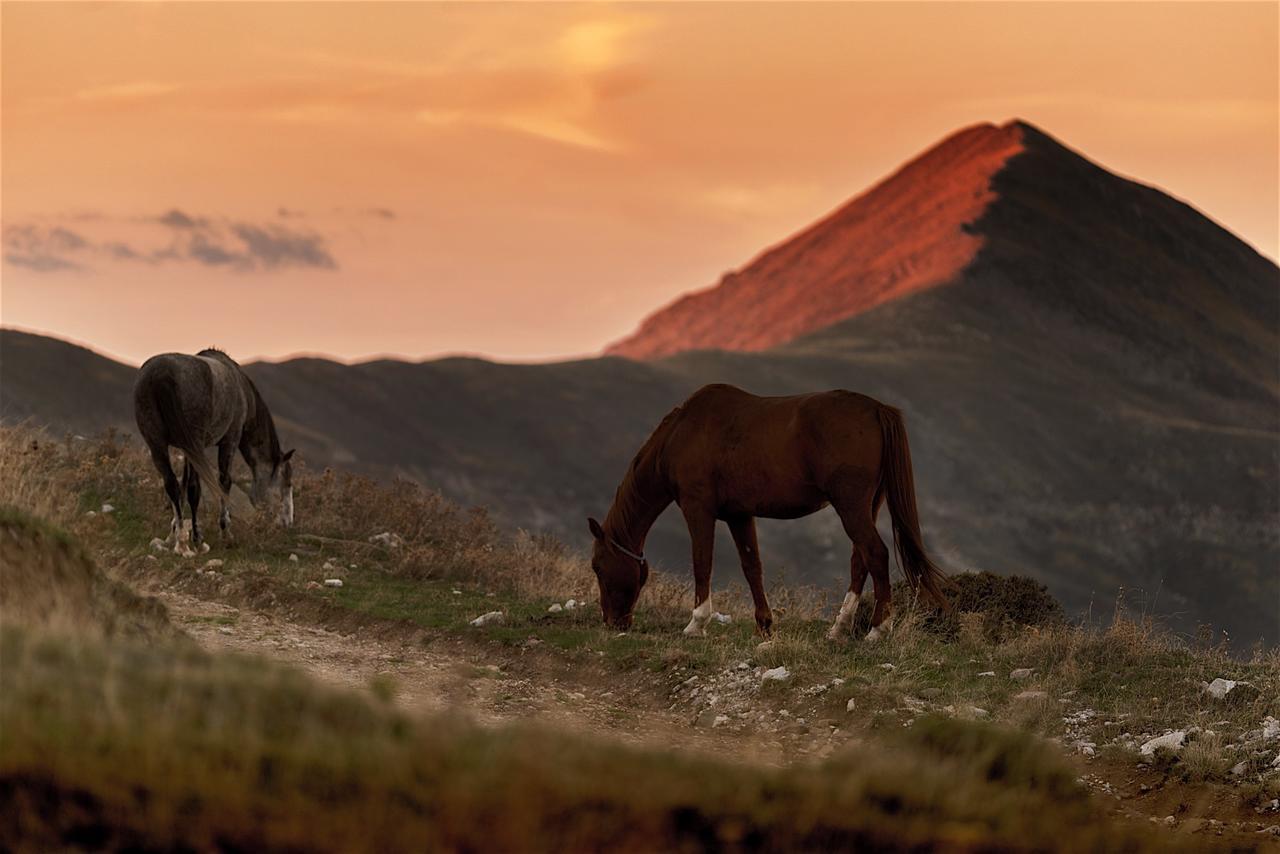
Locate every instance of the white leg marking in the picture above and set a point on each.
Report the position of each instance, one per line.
(847, 609)
(701, 614)
(880, 631)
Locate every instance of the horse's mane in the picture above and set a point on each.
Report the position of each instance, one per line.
(632, 498)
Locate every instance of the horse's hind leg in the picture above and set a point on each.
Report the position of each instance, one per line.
(191, 482)
(160, 457)
(743, 529)
(870, 556)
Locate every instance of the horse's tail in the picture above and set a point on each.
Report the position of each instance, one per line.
(899, 487)
(168, 403)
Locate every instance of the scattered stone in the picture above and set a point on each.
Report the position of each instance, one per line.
(226, 630)
(978, 713)
(212, 564)
(352, 566)
(1239, 768)
(836, 681)
(489, 618)
(333, 582)
(1024, 696)
(387, 539)
(851, 705)
(555, 608)
(457, 592)
(987, 673)
(159, 545)
(577, 695)
(107, 508)
(293, 558)
(777, 674)
(1273, 830)
(314, 585)
(1270, 728)
(204, 548)
(92, 513)
(722, 619)
(1169, 741)
(571, 604)
(1220, 688)
(764, 646)
(887, 666)
(1170, 820)
(153, 558)
(328, 565)
(1022, 673)
(720, 720)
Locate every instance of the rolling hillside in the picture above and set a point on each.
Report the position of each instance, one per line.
(1088, 366)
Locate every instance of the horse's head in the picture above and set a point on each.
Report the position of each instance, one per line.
(273, 488)
(620, 573)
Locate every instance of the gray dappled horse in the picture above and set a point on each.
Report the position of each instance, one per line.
(194, 402)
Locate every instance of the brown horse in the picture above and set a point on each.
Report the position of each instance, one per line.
(727, 454)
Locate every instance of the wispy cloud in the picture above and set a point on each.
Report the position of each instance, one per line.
(221, 242)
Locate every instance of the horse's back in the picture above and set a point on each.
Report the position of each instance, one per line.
(206, 389)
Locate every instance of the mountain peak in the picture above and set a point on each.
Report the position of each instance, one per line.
(906, 234)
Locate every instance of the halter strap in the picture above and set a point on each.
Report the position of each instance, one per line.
(626, 551)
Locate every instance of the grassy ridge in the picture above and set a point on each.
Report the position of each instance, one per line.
(127, 746)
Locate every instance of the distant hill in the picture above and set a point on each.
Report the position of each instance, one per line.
(1090, 371)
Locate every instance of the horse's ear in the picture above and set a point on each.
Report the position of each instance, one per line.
(287, 455)
(596, 530)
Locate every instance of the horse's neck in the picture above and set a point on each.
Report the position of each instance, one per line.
(260, 429)
(638, 503)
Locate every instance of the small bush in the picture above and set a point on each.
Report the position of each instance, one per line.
(1008, 604)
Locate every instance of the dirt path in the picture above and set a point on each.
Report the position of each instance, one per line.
(491, 685)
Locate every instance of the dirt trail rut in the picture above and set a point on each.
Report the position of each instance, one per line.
(491, 685)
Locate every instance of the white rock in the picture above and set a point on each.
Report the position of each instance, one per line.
(328, 565)
(720, 720)
(764, 646)
(987, 673)
(212, 564)
(352, 566)
(851, 705)
(571, 604)
(1022, 673)
(722, 619)
(457, 592)
(388, 539)
(978, 713)
(1031, 695)
(1270, 728)
(836, 680)
(1239, 768)
(555, 608)
(226, 630)
(1170, 741)
(92, 513)
(777, 674)
(153, 558)
(887, 666)
(204, 547)
(489, 618)
(1220, 688)
(107, 508)
(333, 582)
(293, 558)
(159, 545)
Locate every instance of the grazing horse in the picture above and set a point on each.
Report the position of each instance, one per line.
(727, 454)
(194, 402)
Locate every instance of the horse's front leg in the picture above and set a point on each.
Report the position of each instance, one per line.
(226, 456)
(702, 534)
(743, 529)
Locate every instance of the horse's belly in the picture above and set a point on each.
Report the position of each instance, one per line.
(793, 506)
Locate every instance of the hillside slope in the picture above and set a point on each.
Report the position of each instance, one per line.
(1091, 399)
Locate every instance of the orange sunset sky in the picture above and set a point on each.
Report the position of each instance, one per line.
(527, 181)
